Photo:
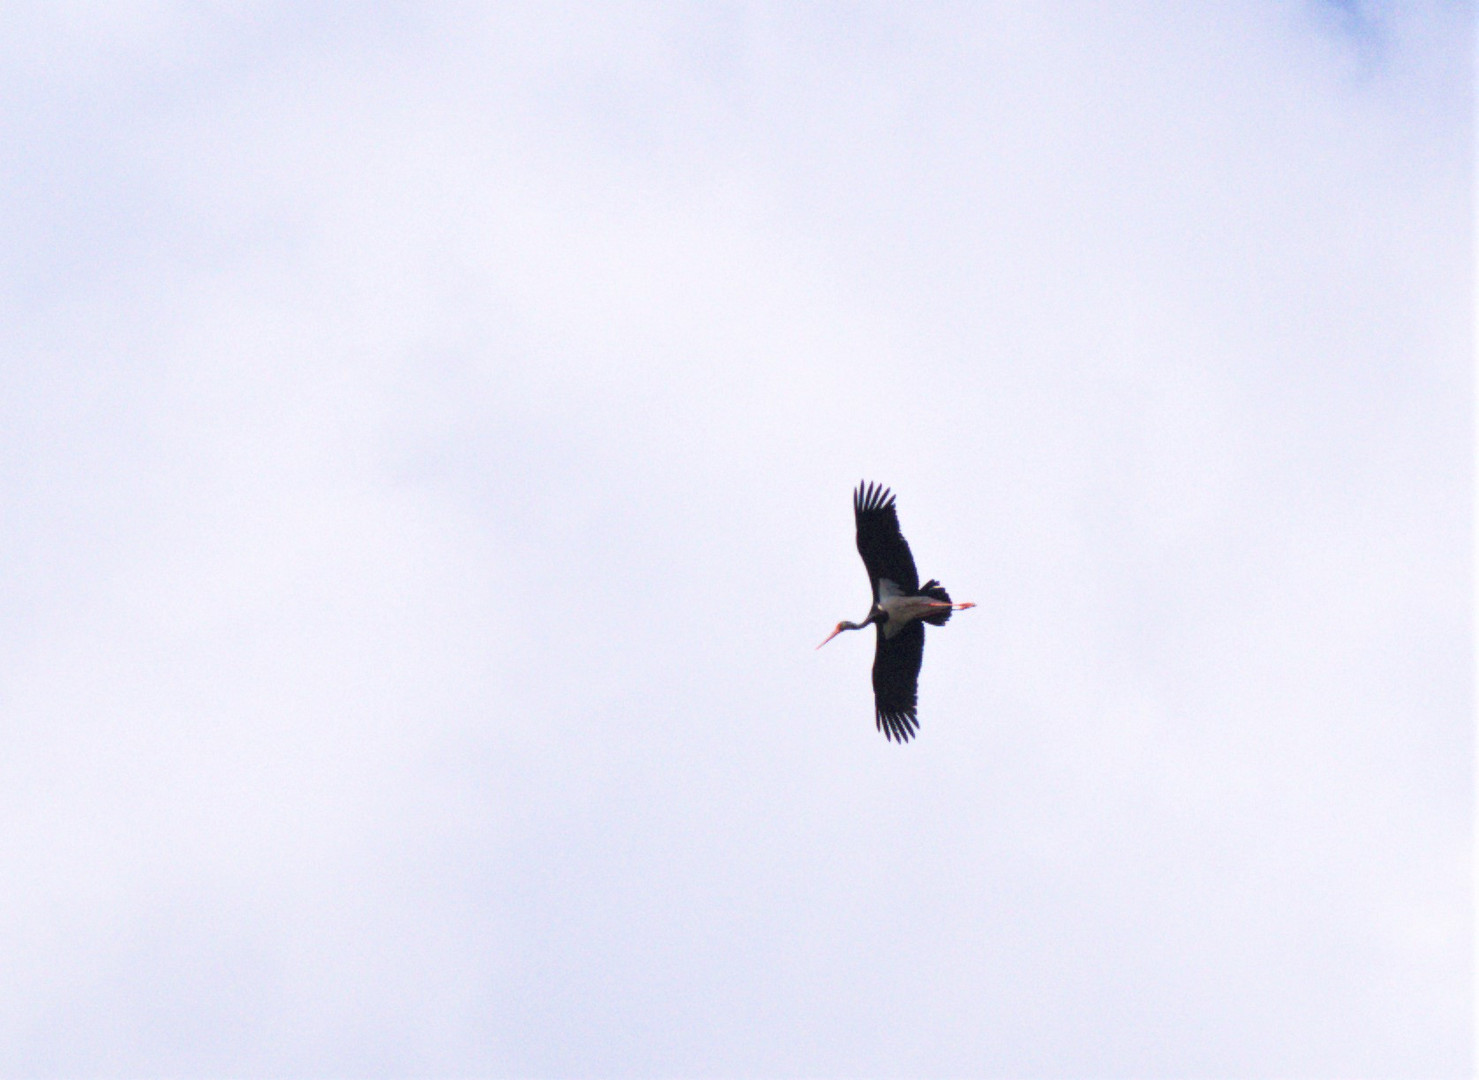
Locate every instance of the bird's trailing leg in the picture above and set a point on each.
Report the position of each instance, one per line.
(937, 612)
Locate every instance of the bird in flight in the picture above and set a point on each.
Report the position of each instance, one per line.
(900, 610)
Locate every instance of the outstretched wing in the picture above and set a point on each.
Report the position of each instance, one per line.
(896, 663)
(884, 550)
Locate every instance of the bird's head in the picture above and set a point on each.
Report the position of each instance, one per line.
(843, 625)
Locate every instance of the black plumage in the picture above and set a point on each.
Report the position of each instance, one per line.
(899, 611)
(896, 664)
(884, 550)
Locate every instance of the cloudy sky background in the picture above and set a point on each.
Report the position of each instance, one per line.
(426, 443)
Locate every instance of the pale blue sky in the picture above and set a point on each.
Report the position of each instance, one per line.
(426, 444)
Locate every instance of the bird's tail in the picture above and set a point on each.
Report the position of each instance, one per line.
(935, 591)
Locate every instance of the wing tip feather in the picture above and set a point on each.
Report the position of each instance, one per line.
(870, 496)
(897, 726)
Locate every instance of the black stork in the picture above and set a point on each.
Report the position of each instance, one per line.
(900, 610)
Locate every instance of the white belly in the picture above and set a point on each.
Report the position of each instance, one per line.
(901, 609)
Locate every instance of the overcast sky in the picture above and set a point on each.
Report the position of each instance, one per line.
(427, 435)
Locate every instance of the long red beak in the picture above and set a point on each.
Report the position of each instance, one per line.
(830, 636)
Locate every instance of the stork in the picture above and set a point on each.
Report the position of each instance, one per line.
(900, 609)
